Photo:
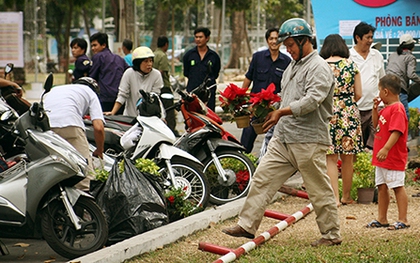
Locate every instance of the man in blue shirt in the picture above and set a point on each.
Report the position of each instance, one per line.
(266, 67)
(107, 69)
(196, 62)
(127, 46)
(82, 64)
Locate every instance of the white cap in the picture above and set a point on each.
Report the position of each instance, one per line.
(376, 45)
(406, 39)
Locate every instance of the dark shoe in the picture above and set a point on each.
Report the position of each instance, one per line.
(326, 242)
(237, 231)
(376, 224)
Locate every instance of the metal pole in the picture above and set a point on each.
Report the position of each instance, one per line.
(205, 14)
(136, 30)
(103, 16)
(263, 237)
(36, 38)
(258, 24)
(222, 42)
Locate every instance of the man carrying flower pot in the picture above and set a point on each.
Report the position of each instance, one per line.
(300, 140)
(267, 66)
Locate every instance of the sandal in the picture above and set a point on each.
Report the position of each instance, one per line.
(376, 224)
(397, 226)
(351, 202)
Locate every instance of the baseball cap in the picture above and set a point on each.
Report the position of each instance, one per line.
(376, 45)
(406, 39)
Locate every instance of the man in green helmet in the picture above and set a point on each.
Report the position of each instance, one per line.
(300, 140)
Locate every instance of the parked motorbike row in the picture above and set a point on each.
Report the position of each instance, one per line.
(37, 194)
(225, 173)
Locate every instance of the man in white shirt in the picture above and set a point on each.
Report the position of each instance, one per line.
(371, 65)
(66, 105)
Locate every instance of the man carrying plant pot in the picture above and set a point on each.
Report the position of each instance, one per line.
(267, 66)
(300, 140)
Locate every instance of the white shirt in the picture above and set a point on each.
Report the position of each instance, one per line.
(131, 82)
(67, 104)
(371, 70)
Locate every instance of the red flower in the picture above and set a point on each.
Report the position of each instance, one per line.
(234, 100)
(242, 178)
(262, 102)
(171, 199)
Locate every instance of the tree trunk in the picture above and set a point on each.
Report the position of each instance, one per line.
(238, 33)
(116, 15)
(161, 23)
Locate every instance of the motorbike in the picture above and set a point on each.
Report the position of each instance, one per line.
(228, 170)
(147, 136)
(37, 194)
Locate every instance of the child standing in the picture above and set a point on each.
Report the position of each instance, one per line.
(390, 152)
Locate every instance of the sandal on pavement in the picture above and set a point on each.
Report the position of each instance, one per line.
(376, 224)
(397, 226)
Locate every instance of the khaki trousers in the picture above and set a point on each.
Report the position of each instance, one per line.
(76, 136)
(279, 163)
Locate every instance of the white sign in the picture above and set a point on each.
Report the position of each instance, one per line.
(11, 38)
(346, 27)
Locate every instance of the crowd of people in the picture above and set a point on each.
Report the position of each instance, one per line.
(334, 105)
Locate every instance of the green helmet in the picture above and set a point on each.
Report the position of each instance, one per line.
(294, 27)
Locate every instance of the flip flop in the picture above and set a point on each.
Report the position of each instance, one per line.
(376, 224)
(351, 202)
(397, 226)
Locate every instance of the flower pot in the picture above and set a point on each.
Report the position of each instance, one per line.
(365, 195)
(258, 127)
(242, 121)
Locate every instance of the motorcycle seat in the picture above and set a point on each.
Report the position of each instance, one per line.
(121, 118)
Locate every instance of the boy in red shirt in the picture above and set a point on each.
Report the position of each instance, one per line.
(390, 152)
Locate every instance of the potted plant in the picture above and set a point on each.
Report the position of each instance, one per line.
(364, 178)
(413, 122)
(261, 104)
(179, 207)
(235, 101)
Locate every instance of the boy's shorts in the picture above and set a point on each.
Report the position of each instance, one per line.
(391, 178)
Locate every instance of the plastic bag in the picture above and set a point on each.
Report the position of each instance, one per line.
(132, 202)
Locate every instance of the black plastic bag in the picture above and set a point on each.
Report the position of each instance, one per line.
(132, 203)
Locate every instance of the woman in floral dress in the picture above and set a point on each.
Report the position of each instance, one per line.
(345, 129)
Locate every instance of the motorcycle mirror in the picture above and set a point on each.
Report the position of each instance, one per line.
(6, 115)
(9, 67)
(167, 96)
(48, 83)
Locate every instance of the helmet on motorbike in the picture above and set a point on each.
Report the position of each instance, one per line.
(88, 81)
(140, 54)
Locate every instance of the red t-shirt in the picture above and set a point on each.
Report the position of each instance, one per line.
(392, 118)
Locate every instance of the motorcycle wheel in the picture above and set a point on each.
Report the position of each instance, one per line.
(239, 170)
(189, 175)
(61, 235)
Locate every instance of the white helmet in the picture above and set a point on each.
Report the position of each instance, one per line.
(142, 53)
